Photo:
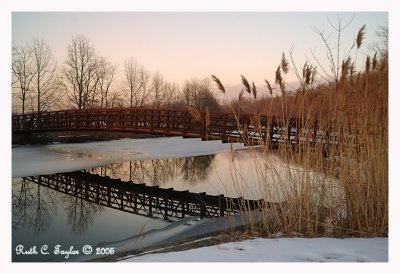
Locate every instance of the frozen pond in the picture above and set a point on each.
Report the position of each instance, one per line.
(62, 215)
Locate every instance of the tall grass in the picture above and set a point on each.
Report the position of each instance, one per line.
(338, 185)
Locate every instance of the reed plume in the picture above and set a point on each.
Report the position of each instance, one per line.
(219, 84)
(268, 86)
(374, 61)
(346, 68)
(284, 64)
(309, 74)
(254, 90)
(246, 84)
(360, 36)
(279, 79)
(278, 75)
(194, 112)
(240, 98)
(367, 64)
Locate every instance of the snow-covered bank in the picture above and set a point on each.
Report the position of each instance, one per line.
(281, 250)
(188, 228)
(47, 159)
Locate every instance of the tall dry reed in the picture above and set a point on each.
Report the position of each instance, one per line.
(335, 183)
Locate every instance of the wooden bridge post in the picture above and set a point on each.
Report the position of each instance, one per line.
(315, 126)
(225, 129)
(135, 203)
(121, 196)
(222, 205)
(185, 123)
(150, 205)
(203, 130)
(204, 126)
(167, 121)
(185, 208)
(109, 198)
(271, 132)
(166, 202)
(298, 128)
(289, 131)
(203, 210)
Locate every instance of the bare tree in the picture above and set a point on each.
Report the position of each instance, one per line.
(158, 89)
(383, 33)
(131, 81)
(106, 72)
(116, 99)
(23, 73)
(340, 65)
(45, 84)
(136, 83)
(80, 72)
(144, 77)
(198, 94)
(173, 97)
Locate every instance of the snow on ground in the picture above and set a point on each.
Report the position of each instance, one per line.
(278, 249)
(32, 160)
(281, 250)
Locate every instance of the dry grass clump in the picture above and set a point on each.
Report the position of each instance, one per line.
(335, 184)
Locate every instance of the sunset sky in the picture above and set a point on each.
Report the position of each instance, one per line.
(185, 45)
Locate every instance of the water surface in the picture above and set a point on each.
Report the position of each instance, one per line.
(43, 216)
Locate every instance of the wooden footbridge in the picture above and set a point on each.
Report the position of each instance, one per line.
(139, 199)
(228, 127)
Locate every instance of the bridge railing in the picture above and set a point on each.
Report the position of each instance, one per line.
(250, 129)
(109, 119)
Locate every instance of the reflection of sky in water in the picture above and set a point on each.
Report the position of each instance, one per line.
(251, 173)
(245, 173)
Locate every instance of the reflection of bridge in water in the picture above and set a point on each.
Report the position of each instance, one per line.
(139, 199)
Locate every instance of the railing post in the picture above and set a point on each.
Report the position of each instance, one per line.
(185, 122)
(150, 205)
(135, 202)
(121, 118)
(289, 131)
(166, 202)
(109, 122)
(298, 129)
(224, 133)
(271, 132)
(185, 208)
(203, 210)
(222, 205)
(315, 126)
(167, 121)
(204, 125)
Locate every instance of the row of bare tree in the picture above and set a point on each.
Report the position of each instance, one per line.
(87, 80)
(34, 76)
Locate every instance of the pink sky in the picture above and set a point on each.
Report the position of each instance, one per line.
(185, 45)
